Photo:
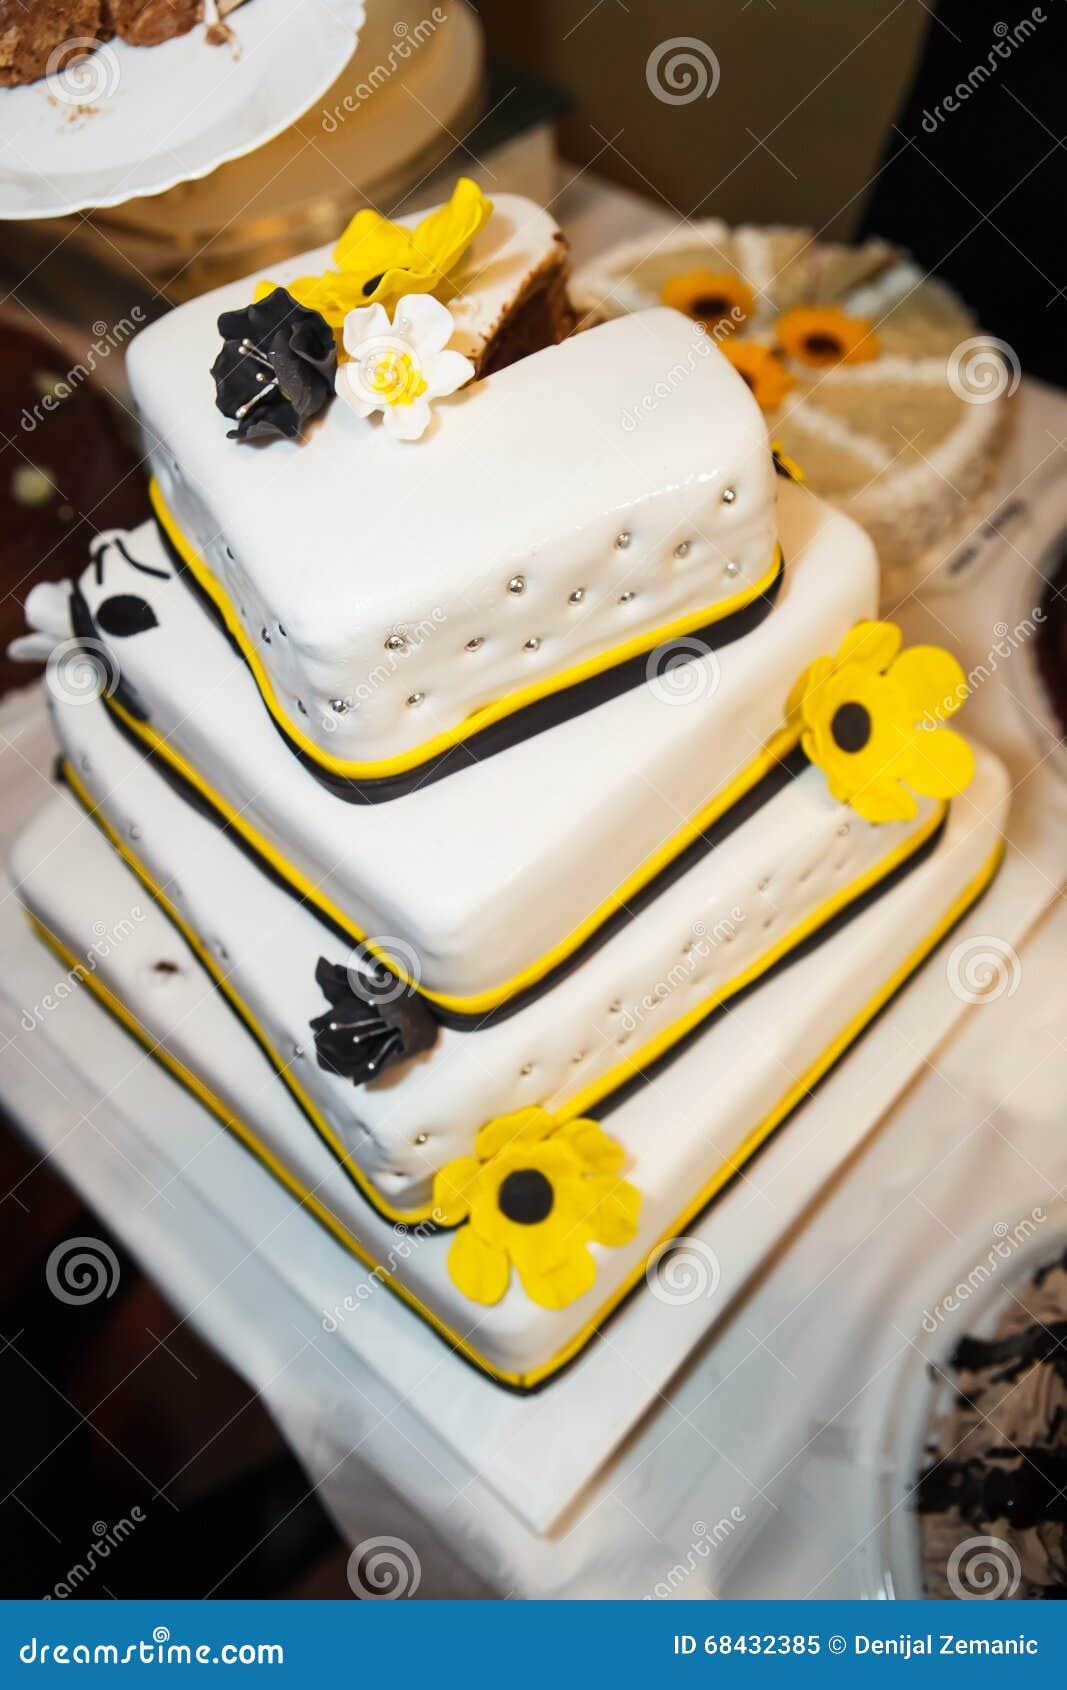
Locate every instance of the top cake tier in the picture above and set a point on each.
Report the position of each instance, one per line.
(558, 518)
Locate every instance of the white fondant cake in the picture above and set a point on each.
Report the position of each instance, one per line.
(562, 515)
(683, 1135)
(783, 874)
(444, 881)
(531, 934)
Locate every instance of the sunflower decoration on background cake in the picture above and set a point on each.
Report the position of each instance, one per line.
(533, 1197)
(872, 374)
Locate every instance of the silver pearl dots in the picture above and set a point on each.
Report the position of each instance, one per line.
(414, 699)
(682, 549)
(623, 540)
(733, 568)
(624, 598)
(729, 495)
(517, 585)
(421, 1139)
(476, 643)
(396, 642)
(340, 706)
(532, 644)
(577, 596)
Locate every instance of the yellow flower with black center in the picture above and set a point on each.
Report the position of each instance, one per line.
(378, 261)
(711, 296)
(872, 719)
(823, 335)
(762, 369)
(534, 1195)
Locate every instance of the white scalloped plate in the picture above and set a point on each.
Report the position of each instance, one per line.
(130, 121)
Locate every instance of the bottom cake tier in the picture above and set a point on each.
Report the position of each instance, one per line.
(681, 1136)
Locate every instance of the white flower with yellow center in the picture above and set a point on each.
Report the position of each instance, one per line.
(400, 367)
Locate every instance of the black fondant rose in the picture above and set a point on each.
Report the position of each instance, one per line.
(371, 1023)
(275, 369)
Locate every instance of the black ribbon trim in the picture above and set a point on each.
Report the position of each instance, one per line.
(471, 1021)
(511, 730)
(533, 1390)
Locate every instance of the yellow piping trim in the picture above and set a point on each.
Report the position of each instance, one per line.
(479, 719)
(777, 748)
(584, 1100)
(724, 1173)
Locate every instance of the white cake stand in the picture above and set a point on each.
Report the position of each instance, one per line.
(128, 121)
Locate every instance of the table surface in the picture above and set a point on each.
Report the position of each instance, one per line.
(817, 1342)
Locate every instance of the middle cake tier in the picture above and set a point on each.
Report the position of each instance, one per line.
(783, 881)
(481, 889)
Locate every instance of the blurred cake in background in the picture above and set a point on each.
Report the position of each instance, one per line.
(993, 1498)
(872, 375)
(414, 84)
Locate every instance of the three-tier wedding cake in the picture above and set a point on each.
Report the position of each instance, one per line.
(493, 718)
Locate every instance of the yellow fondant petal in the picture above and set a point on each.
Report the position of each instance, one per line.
(940, 764)
(478, 1269)
(452, 1189)
(932, 681)
(596, 1151)
(873, 644)
(884, 801)
(371, 244)
(615, 1205)
(522, 1126)
(443, 237)
(554, 1285)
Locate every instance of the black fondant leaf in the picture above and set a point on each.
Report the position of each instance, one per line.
(370, 1024)
(275, 369)
(125, 614)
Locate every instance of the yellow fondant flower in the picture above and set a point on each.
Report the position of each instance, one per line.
(823, 335)
(872, 720)
(534, 1195)
(378, 261)
(761, 368)
(711, 296)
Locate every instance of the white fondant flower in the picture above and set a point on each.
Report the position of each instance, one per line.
(399, 367)
(47, 613)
